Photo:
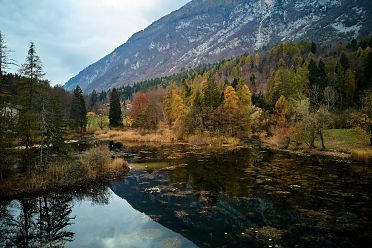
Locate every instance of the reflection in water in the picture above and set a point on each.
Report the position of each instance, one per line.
(249, 198)
(97, 218)
(120, 225)
(182, 197)
(38, 222)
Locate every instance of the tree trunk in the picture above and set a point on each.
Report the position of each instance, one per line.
(312, 139)
(321, 139)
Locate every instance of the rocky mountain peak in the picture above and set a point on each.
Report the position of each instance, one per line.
(206, 31)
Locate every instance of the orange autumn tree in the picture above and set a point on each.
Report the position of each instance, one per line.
(143, 113)
(231, 110)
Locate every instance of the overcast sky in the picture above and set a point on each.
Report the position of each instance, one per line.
(71, 34)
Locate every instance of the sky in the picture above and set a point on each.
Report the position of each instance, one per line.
(69, 35)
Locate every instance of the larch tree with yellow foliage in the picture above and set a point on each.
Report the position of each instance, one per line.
(231, 110)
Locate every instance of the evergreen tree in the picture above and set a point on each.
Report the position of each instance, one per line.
(185, 91)
(363, 42)
(313, 73)
(235, 83)
(322, 74)
(349, 87)
(313, 48)
(344, 61)
(93, 100)
(353, 44)
(115, 115)
(211, 94)
(53, 126)
(30, 90)
(194, 119)
(252, 78)
(78, 112)
(366, 82)
(103, 96)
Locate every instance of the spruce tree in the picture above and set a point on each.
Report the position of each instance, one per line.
(93, 100)
(30, 91)
(344, 61)
(115, 115)
(78, 112)
(313, 48)
(211, 94)
(313, 73)
(322, 74)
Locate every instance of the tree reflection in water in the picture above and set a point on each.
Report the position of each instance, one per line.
(43, 221)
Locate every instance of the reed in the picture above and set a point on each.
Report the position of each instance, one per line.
(364, 155)
(91, 166)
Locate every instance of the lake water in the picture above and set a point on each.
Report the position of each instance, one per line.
(185, 197)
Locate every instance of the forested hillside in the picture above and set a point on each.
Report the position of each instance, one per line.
(296, 89)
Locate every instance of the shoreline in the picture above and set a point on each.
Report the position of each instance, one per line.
(262, 143)
(78, 186)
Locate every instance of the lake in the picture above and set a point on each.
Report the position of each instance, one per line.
(178, 196)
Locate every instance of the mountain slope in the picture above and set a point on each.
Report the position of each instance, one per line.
(206, 31)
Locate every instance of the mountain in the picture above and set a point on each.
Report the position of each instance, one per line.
(206, 31)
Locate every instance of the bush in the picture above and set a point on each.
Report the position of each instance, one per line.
(95, 160)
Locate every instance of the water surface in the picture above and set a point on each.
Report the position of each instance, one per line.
(184, 197)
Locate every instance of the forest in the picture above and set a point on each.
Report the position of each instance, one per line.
(292, 93)
(288, 95)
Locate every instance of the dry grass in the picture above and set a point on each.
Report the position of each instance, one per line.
(117, 164)
(362, 155)
(164, 136)
(161, 136)
(215, 140)
(94, 164)
(95, 161)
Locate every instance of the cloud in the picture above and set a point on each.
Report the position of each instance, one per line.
(70, 35)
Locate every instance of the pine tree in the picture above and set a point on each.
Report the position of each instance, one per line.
(115, 115)
(30, 91)
(211, 94)
(53, 127)
(185, 91)
(313, 73)
(313, 48)
(235, 83)
(194, 118)
(252, 78)
(93, 100)
(344, 61)
(322, 74)
(349, 87)
(78, 112)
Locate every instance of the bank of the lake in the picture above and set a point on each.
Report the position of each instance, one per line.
(79, 171)
(348, 144)
(187, 196)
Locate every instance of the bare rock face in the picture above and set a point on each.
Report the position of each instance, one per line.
(206, 31)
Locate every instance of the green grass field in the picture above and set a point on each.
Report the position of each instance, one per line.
(352, 141)
(93, 123)
(345, 140)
